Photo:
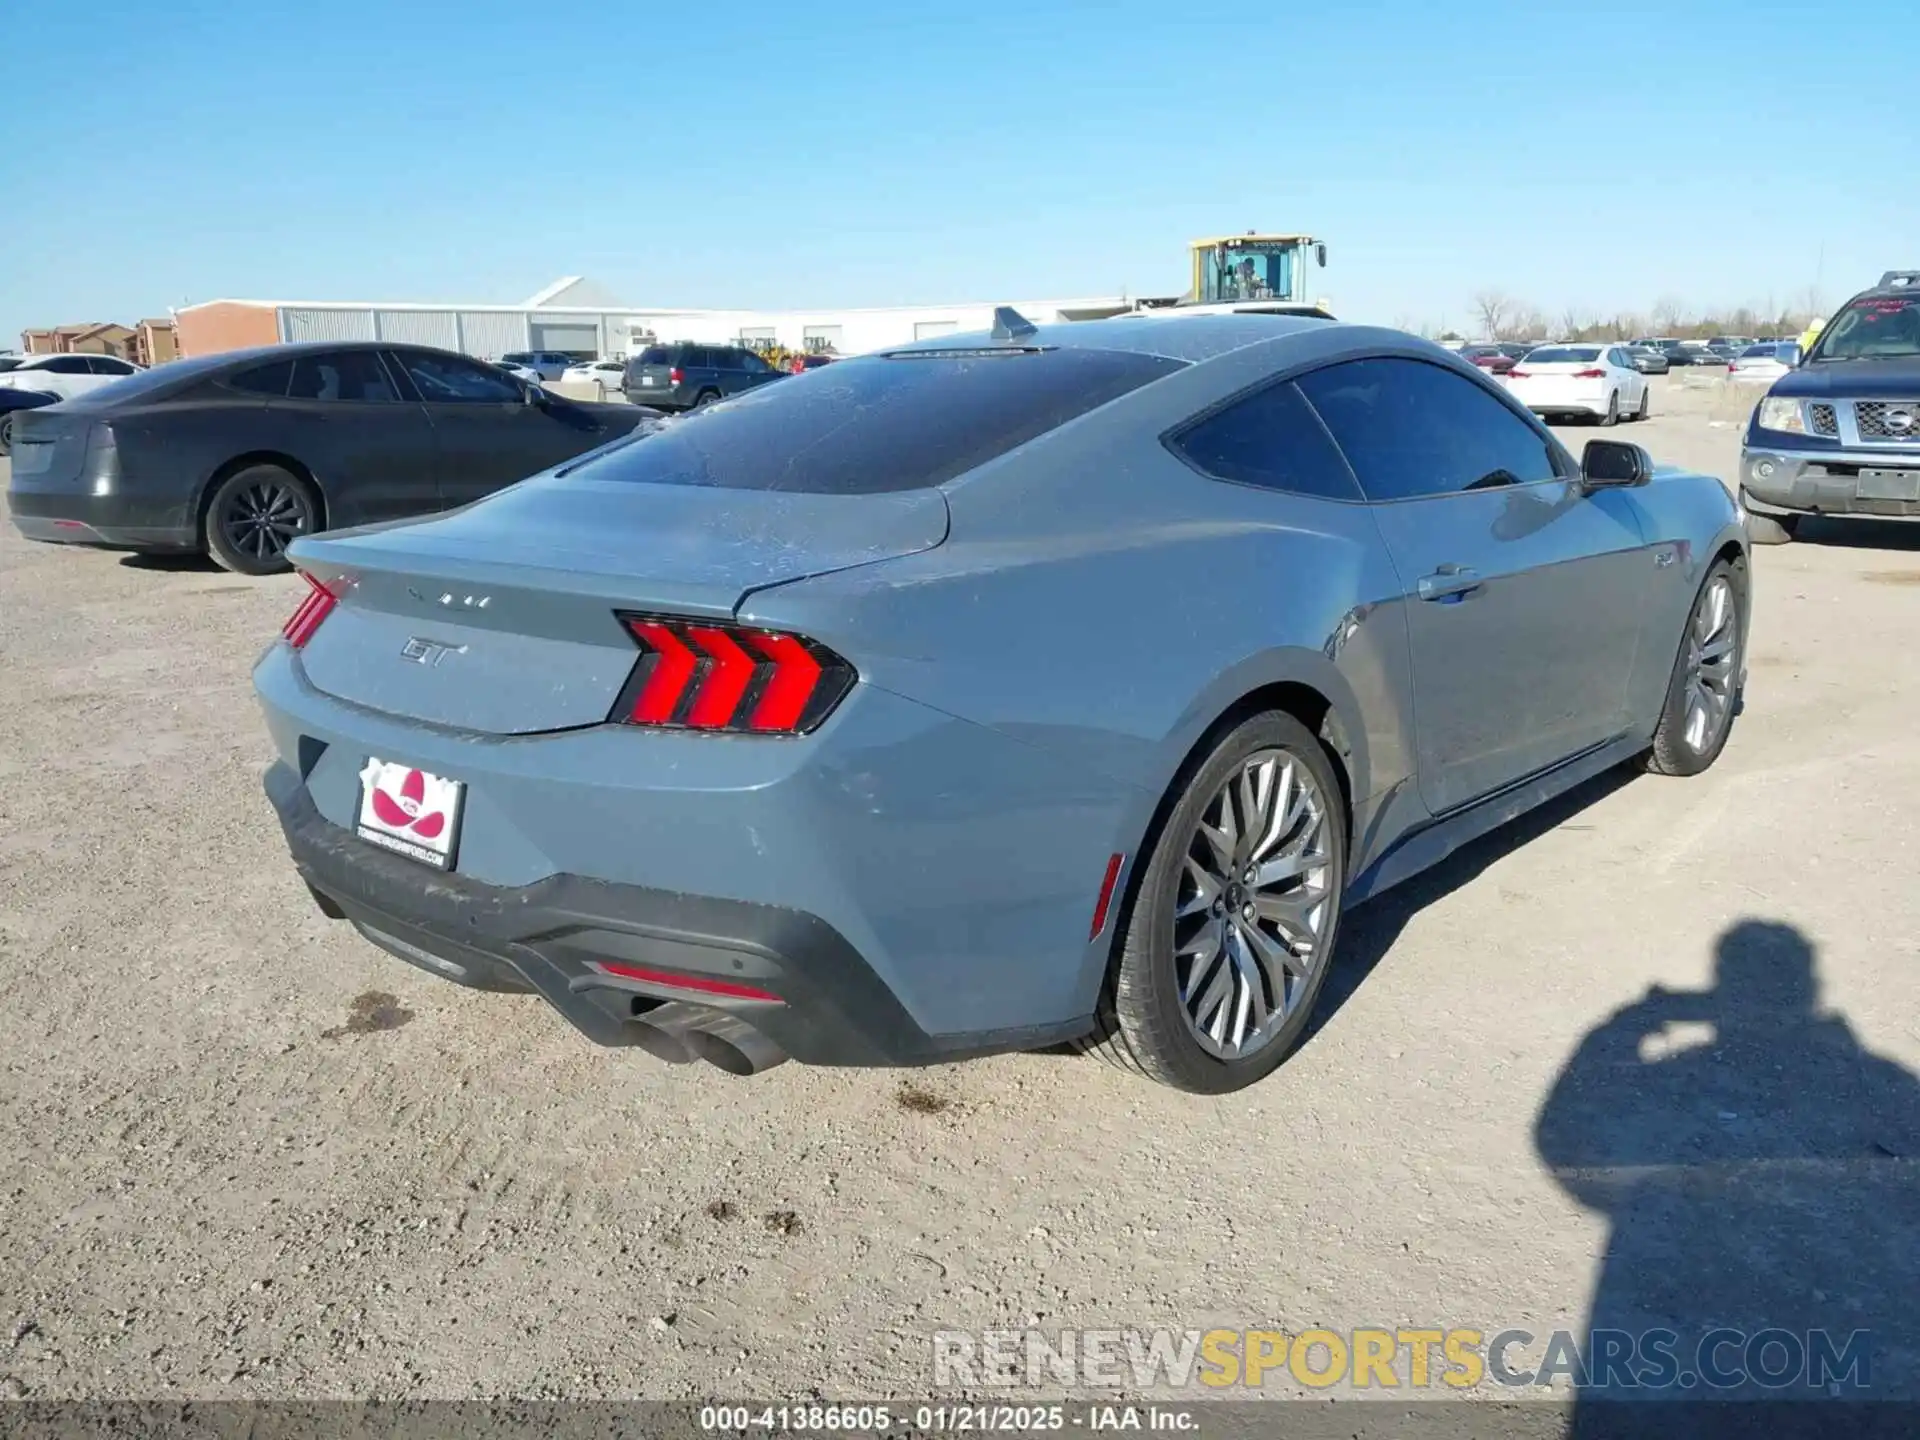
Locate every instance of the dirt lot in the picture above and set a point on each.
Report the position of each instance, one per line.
(246, 1154)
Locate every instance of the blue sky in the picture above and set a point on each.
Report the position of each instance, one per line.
(853, 153)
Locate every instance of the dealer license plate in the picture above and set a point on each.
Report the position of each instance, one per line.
(410, 812)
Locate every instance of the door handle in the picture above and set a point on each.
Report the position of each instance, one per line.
(1450, 582)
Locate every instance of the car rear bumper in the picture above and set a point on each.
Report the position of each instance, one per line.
(127, 522)
(1565, 405)
(910, 886)
(787, 974)
(1830, 482)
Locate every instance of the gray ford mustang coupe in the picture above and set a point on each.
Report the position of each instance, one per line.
(1059, 684)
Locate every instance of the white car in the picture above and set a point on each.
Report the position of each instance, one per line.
(608, 374)
(1598, 381)
(519, 372)
(1765, 362)
(67, 375)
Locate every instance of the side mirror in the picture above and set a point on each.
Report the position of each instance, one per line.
(1320, 254)
(1614, 465)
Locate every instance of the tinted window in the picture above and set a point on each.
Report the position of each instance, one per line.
(1269, 439)
(1879, 327)
(108, 365)
(447, 379)
(518, 357)
(1564, 355)
(653, 355)
(67, 365)
(264, 379)
(1409, 429)
(888, 422)
(345, 375)
(750, 362)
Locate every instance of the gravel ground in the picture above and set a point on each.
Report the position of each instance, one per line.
(244, 1154)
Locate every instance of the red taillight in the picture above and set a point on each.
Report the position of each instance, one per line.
(734, 679)
(676, 375)
(315, 608)
(1589, 374)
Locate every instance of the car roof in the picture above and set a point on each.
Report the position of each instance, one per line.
(1191, 338)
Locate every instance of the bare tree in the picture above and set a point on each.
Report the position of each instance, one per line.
(1494, 310)
(1666, 314)
(1575, 322)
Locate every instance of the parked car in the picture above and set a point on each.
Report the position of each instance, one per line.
(607, 374)
(811, 360)
(1840, 433)
(1764, 362)
(238, 454)
(1732, 344)
(1597, 381)
(66, 375)
(551, 364)
(12, 400)
(684, 376)
(1647, 360)
(1495, 359)
(524, 373)
(1695, 352)
(858, 721)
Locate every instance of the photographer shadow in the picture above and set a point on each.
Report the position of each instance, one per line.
(1760, 1169)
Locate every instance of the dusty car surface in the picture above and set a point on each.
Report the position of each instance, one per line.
(992, 693)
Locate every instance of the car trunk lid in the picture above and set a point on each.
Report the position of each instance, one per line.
(502, 618)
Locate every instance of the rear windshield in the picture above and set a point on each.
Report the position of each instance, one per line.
(1564, 355)
(904, 421)
(653, 355)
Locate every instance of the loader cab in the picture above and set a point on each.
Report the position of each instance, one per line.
(1240, 268)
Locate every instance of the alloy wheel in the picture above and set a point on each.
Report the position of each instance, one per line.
(1712, 651)
(262, 520)
(1254, 904)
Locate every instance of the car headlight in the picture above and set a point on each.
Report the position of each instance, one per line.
(1780, 413)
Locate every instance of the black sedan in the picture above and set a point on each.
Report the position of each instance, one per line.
(14, 400)
(236, 455)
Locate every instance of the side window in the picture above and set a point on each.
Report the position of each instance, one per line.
(108, 365)
(1270, 439)
(701, 358)
(354, 376)
(67, 365)
(751, 363)
(452, 379)
(1411, 429)
(271, 379)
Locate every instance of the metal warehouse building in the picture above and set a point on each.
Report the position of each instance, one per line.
(579, 317)
(572, 314)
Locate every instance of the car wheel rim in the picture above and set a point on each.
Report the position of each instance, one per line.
(1253, 905)
(262, 520)
(1712, 645)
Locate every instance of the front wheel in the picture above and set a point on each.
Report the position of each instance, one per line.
(1233, 920)
(6, 434)
(1704, 691)
(255, 514)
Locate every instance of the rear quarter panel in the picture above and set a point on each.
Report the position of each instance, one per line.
(1101, 602)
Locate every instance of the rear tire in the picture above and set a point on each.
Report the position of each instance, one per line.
(705, 398)
(255, 514)
(1612, 417)
(1646, 403)
(1771, 529)
(1703, 695)
(6, 434)
(1234, 916)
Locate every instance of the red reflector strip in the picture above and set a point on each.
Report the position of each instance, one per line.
(795, 674)
(726, 682)
(312, 610)
(698, 983)
(660, 696)
(1106, 897)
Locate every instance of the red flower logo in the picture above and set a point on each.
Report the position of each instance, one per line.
(403, 812)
